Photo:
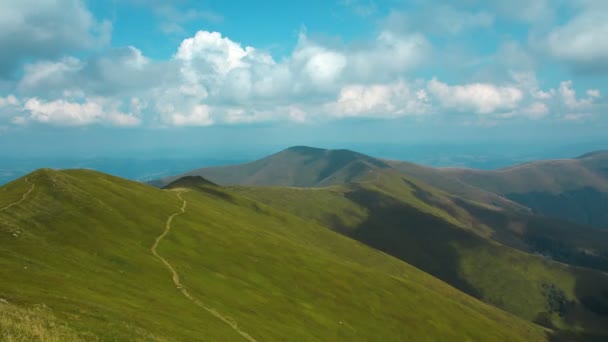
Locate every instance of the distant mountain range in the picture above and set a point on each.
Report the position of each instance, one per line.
(572, 189)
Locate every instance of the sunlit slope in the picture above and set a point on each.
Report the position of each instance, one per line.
(79, 244)
(429, 230)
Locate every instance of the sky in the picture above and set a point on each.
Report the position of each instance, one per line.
(119, 77)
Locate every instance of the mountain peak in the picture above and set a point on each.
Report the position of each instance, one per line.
(189, 182)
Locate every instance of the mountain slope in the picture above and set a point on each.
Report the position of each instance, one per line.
(439, 235)
(296, 166)
(572, 189)
(79, 244)
(302, 166)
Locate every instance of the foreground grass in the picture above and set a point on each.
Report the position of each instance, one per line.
(19, 324)
(83, 251)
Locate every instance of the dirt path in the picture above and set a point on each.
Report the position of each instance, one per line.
(229, 321)
(27, 193)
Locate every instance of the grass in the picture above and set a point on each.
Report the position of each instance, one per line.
(431, 231)
(83, 251)
(37, 323)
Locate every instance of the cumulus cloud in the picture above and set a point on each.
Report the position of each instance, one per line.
(66, 113)
(482, 98)
(225, 75)
(198, 116)
(46, 28)
(379, 100)
(568, 94)
(581, 42)
(212, 79)
(112, 72)
(389, 55)
(9, 101)
(528, 82)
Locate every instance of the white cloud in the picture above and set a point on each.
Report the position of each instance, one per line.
(114, 72)
(321, 65)
(482, 98)
(536, 110)
(117, 118)
(390, 55)
(66, 113)
(198, 116)
(568, 95)
(61, 112)
(582, 41)
(48, 73)
(528, 82)
(9, 100)
(212, 79)
(46, 28)
(379, 100)
(218, 54)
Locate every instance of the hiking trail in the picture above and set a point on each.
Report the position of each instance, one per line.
(229, 321)
(23, 198)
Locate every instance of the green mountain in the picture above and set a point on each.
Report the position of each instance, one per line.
(296, 166)
(494, 255)
(569, 189)
(88, 256)
(491, 215)
(472, 238)
(572, 189)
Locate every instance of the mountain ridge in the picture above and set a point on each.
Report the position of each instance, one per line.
(554, 188)
(83, 251)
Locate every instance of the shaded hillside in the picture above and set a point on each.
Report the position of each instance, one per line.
(80, 244)
(452, 185)
(189, 182)
(572, 189)
(443, 237)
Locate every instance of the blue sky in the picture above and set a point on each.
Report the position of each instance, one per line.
(126, 76)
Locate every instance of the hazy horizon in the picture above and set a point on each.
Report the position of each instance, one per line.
(149, 165)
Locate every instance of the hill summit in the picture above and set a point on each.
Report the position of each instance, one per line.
(298, 166)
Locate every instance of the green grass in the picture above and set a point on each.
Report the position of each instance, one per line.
(83, 251)
(431, 231)
(19, 324)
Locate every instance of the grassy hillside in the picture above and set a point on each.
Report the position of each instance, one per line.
(79, 245)
(435, 233)
(573, 189)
